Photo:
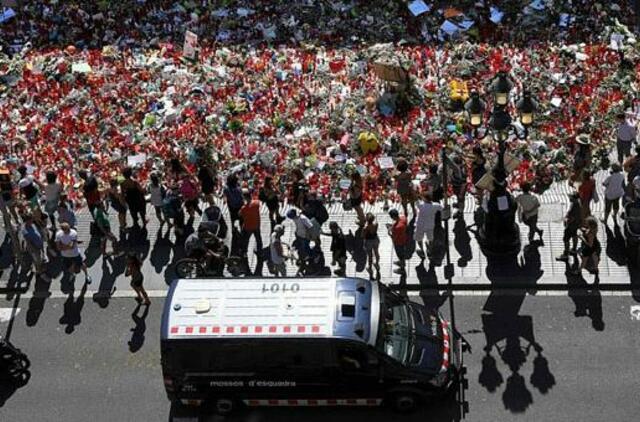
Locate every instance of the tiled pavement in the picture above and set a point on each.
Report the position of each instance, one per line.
(160, 252)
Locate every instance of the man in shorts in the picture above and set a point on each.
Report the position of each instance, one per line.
(426, 223)
(572, 223)
(67, 244)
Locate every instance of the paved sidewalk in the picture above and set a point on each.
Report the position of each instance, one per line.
(538, 265)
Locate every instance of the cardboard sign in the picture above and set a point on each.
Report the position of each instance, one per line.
(134, 160)
(389, 72)
(385, 162)
(190, 45)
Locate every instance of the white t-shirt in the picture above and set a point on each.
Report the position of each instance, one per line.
(52, 192)
(68, 239)
(426, 219)
(614, 186)
(303, 226)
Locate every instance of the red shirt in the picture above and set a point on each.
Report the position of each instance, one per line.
(399, 231)
(585, 191)
(250, 214)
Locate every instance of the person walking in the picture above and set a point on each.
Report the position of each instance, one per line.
(626, 135)
(304, 227)
(276, 252)
(134, 267)
(528, 207)
(404, 187)
(233, 195)
(250, 215)
(590, 248)
(117, 201)
(52, 191)
(355, 196)
(338, 248)
(371, 245)
(157, 192)
(613, 190)
(271, 198)
(67, 244)
(572, 223)
(208, 180)
(190, 195)
(425, 224)
(399, 238)
(101, 218)
(587, 193)
(34, 241)
(90, 189)
(134, 196)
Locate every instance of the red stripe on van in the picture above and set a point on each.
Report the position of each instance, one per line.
(258, 329)
(273, 402)
(312, 402)
(244, 329)
(292, 402)
(215, 329)
(254, 402)
(301, 328)
(332, 402)
(352, 401)
(315, 329)
(286, 329)
(203, 330)
(230, 330)
(272, 329)
(174, 330)
(189, 330)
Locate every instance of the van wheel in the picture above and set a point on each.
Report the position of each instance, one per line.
(404, 402)
(224, 406)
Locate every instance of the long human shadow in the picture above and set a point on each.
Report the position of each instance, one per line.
(36, 303)
(588, 301)
(72, 315)
(462, 242)
(616, 245)
(138, 331)
(111, 269)
(427, 277)
(161, 251)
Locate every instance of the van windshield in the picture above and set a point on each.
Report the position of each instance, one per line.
(395, 328)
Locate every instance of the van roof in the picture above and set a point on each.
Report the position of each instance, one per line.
(269, 307)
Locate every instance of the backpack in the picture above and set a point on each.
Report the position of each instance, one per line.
(170, 205)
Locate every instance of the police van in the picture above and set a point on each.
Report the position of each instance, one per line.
(302, 342)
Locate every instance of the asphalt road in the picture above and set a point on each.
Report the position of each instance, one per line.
(538, 358)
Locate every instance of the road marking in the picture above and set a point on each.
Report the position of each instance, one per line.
(7, 313)
(432, 293)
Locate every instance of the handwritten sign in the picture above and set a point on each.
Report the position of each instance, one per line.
(190, 45)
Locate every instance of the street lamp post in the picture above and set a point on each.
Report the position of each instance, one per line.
(498, 234)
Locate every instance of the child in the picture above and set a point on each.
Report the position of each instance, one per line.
(134, 266)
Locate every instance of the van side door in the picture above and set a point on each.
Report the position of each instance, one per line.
(360, 372)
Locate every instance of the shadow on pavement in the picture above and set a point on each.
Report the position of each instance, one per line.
(616, 245)
(462, 242)
(137, 332)
(72, 315)
(107, 283)
(161, 252)
(588, 301)
(505, 334)
(36, 303)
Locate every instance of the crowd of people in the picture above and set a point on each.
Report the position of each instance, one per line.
(111, 116)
